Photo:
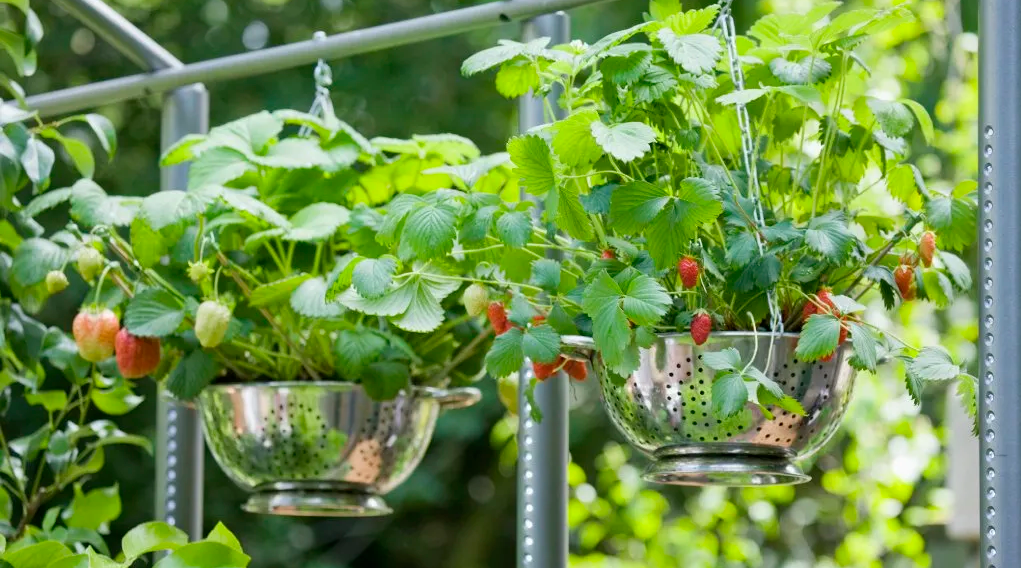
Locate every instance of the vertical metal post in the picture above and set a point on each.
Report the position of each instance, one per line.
(542, 447)
(1000, 277)
(179, 445)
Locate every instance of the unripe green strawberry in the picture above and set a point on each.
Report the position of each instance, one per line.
(198, 272)
(56, 281)
(475, 299)
(90, 262)
(211, 322)
(95, 334)
(688, 269)
(701, 325)
(507, 391)
(927, 248)
(136, 356)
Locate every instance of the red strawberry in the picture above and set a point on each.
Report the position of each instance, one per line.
(136, 356)
(608, 254)
(498, 317)
(809, 310)
(701, 325)
(825, 298)
(577, 370)
(927, 247)
(688, 268)
(843, 334)
(538, 319)
(544, 371)
(95, 333)
(904, 276)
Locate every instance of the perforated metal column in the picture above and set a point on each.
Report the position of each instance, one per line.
(542, 447)
(1000, 281)
(180, 449)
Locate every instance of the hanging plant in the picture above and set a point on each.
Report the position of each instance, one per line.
(276, 268)
(676, 248)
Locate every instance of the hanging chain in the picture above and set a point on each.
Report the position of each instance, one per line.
(725, 24)
(322, 105)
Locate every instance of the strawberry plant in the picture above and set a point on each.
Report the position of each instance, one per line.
(649, 200)
(278, 261)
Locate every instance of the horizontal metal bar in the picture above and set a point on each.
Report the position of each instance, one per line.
(124, 36)
(297, 54)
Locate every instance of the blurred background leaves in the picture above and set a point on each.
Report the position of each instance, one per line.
(878, 496)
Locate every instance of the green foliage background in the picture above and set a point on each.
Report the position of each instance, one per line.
(877, 498)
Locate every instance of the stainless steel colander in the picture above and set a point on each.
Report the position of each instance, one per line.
(665, 410)
(320, 448)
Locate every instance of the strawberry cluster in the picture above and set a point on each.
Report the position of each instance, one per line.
(98, 335)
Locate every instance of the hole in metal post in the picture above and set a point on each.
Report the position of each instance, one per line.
(504, 18)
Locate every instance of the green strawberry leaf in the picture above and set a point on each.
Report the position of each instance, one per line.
(430, 230)
(153, 313)
(533, 164)
(865, 345)
(644, 300)
(316, 222)
(506, 355)
(573, 141)
(933, 364)
(634, 205)
(372, 277)
(819, 337)
(894, 118)
(507, 50)
(696, 204)
(967, 390)
(34, 258)
(953, 219)
(309, 300)
(546, 274)
(541, 343)
(192, 374)
(276, 292)
(957, 270)
(383, 380)
(626, 142)
(355, 350)
(809, 70)
(829, 236)
(728, 359)
(729, 395)
(697, 54)
(514, 228)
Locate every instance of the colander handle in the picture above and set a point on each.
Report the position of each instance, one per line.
(452, 399)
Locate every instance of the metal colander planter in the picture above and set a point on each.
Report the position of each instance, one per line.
(320, 448)
(665, 410)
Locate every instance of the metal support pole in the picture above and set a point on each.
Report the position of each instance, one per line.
(542, 447)
(179, 445)
(273, 59)
(1000, 275)
(120, 33)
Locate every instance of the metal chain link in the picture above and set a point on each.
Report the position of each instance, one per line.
(322, 104)
(725, 24)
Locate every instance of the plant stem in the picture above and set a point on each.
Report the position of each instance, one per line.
(313, 374)
(462, 355)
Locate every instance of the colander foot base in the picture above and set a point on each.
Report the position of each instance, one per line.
(725, 470)
(306, 503)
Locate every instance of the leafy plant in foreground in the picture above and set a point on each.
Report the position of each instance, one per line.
(646, 192)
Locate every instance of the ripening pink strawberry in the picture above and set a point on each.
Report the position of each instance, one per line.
(95, 334)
